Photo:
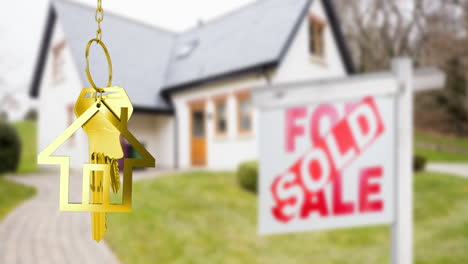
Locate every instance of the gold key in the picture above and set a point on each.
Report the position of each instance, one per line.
(103, 114)
(105, 121)
(104, 146)
(98, 220)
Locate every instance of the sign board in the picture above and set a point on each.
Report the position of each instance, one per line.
(338, 153)
(327, 165)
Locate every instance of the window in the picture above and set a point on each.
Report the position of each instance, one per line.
(198, 124)
(244, 112)
(316, 36)
(221, 122)
(186, 49)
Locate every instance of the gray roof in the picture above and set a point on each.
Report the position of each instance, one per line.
(255, 36)
(131, 46)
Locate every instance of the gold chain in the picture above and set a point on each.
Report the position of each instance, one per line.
(99, 17)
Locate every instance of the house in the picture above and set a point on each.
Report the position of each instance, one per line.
(191, 91)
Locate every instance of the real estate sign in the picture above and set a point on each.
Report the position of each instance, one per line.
(327, 165)
(338, 153)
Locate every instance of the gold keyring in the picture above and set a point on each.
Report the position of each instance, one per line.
(109, 63)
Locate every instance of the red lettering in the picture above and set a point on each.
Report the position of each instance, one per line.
(315, 202)
(315, 170)
(365, 124)
(300, 191)
(288, 195)
(340, 207)
(316, 129)
(367, 189)
(341, 145)
(292, 129)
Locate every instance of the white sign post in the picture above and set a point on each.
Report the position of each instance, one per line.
(338, 153)
(402, 229)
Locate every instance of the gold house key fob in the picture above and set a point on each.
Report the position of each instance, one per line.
(104, 144)
(103, 114)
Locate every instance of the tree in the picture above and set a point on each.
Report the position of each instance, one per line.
(432, 33)
(453, 98)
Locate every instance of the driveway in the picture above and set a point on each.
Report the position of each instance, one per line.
(37, 232)
(460, 169)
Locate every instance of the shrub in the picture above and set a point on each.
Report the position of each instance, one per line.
(419, 163)
(247, 175)
(10, 148)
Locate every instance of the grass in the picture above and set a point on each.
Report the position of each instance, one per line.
(441, 156)
(27, 131)
(205, 217)
(445, 141)
(425, 137)
(12, 194)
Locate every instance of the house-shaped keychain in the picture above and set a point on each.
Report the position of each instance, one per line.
(103, 114)
(104, 120)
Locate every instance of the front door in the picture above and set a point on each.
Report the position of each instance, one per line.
(198, 135)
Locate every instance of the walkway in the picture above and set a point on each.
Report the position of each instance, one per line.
(37, 232)
(460, 169)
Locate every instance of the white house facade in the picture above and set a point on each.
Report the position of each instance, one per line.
(191, 91)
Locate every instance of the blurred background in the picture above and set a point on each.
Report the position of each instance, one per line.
(189, 68)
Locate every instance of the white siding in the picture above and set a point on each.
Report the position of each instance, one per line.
(156, 132)
(54, 100)
(298, 63)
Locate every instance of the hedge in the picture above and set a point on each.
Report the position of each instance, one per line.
(10, 148)
(419, 163)
(247, 175)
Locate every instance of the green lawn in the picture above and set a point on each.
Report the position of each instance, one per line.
(205, 218)
(444, 141)
(11, 194)
(421, 136)
(28, 133)
(441, 156)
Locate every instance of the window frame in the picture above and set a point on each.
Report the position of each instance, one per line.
(318, 25)
(241, 96)
(221, 99)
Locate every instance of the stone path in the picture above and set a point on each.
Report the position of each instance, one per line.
(460, 169)
(37, 232)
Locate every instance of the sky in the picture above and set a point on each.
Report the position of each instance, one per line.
(22, 23)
